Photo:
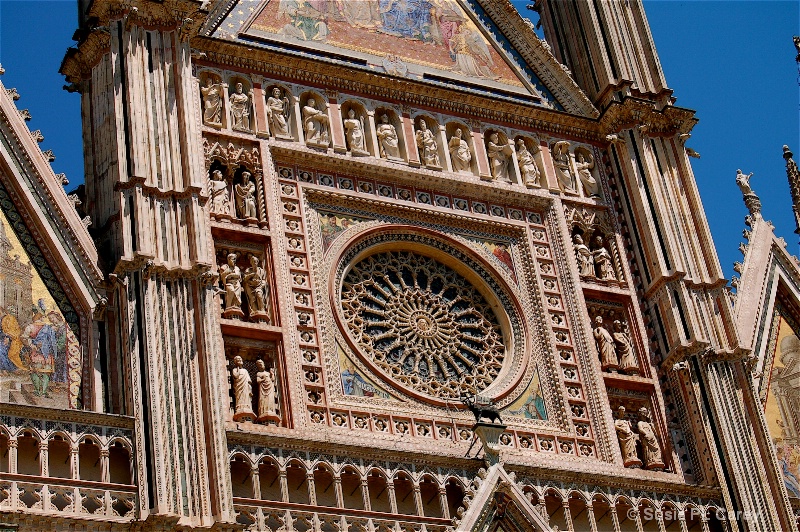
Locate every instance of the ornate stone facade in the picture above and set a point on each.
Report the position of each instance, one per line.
(318, 249)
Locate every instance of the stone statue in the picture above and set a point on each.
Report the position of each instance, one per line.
(242, 391)
(590, 186)
(751, 199)
(625, 353)
(426, 142)
(651, 451)
(527, 166)
(267, 405)
(257, 289)
(584, 256)
(566, 181)
(499, 158)
(605, 345)
(245, 198)
(627, 439)
(460, 156)
(603, 261)
(278, 115)
(387, 140)
(240, 109)
(219, 200)
(354, 131)
(231, 277)
(315, 125)
(212, 103)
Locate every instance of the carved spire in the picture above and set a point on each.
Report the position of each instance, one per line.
(794, 185)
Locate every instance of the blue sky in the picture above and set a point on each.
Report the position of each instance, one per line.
(731, 61)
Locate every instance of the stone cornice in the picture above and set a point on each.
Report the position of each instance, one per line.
(66, 416)
(632, 112)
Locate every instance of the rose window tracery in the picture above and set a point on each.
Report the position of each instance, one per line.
(423, 324)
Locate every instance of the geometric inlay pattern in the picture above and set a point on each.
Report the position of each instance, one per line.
(423, 324)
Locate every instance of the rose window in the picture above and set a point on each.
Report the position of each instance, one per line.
(423, 324)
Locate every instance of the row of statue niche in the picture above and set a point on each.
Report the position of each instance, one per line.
(566, 170)
(254, 283)
(615, 347)
(244, 195)
(266, 385)
(317, 134)
(213, 94)
(640, 448)
(595, 261)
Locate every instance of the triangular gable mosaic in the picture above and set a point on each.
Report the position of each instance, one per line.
(40, 356)
(446, 42)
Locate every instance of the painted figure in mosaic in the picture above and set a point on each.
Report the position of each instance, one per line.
(627, 439)
(625, 353)
(387, 139)
(584, 256)
(315, 124)
(499, 158)
(566, 181)
(219, 201)
(410, 19)
(426, 142)
(257, 290)
(460, 156)
(527, 166)
(472, 55)
(245, 193)
(60, 330)
(602, 260)
(651, 451)
(40, 340)
(278, 115)
(242, 391)
(212, 102)
(584, 163)
(265, 380)
(231, 277)
(354, 131)
(240, 109)
(605, 345)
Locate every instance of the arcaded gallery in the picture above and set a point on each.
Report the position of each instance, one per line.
(385, 266)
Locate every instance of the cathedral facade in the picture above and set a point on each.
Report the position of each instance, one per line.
(385, 266)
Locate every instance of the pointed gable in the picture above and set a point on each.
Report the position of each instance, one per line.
(49, 276)
(452, 43)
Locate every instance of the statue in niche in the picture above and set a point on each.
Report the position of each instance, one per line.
(651, 451)
(561, 162)
(605, 345)
(267, 404)
(527, 166)
(584, 256)
(625, 353)
(603, 262)
(242, 391)
(245, 193)
(426, 142)
(387, 140)
(584, 164)
(460, 156)
(315, 124)
(354, 131)
(219, 200)
(212, 103)
(627, 439)
(231, 277)
(499, 158)
(278, 115)
(257, 290)
(240, 109)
